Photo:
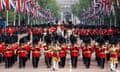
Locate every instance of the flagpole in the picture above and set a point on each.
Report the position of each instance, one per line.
(28, 20)
(19, 20)
(7, 18)
(14, 19)
(34, 20)
(115, 21)
(110, 22)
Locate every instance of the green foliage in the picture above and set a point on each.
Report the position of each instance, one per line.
(46, 4)
(51, 5)
(108, 20)
(82, 4)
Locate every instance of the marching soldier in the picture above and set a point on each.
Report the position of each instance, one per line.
(16, 46)
(74, 51)
(62, 54)
(102, 55)
(119, 51)
(108, 55)
(35, 56)
(8, 54)
(2, 48)
(28, 49)
(54, 49)
(97, 54)
(119, 54)
(87, 55)
(22, 53)
(83, 47)
(13, 47)
(113, 57)
(48, 56)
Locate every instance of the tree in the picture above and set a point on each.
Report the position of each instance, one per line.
(51, 5)
(46, 4)
(77, 9)
(82, 4)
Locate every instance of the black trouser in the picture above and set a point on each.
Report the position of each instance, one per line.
(116, 66)
(8, 62)
(102, 62)
(74, 61)
(15, 58)
(1, 58)
(108, 57)
(12, 60)
(119, 58)
(35, 61)
(98, 60)
(22, 62)
(87, 62)
(48, 61)
(83, 57)
(28, 55)
(62, 62)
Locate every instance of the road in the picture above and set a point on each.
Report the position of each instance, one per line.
(42, 67)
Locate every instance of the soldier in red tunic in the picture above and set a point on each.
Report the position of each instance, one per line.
(102, 55)
(54, 49)
(2, 48)
(83, 47)
(87, 55)
(48, 56)
(62, 54)
(15, 47)
(97, 54)
(108, 45)
(22, 53)
(28, 48)
(74, 52)
(119, 51)
(35, 56)
(119, 54)
(8, 54)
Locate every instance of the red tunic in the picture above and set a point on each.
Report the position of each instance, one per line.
(62, 53)
(119, 52)
(102, 53)
(97, 52)
(2, 47)
(8, 53)
(56, 55)
(27, 47)
(87, 52)
(36, 53)
(47, 54)
(114, 55)
(74, 51)
(22, 53)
